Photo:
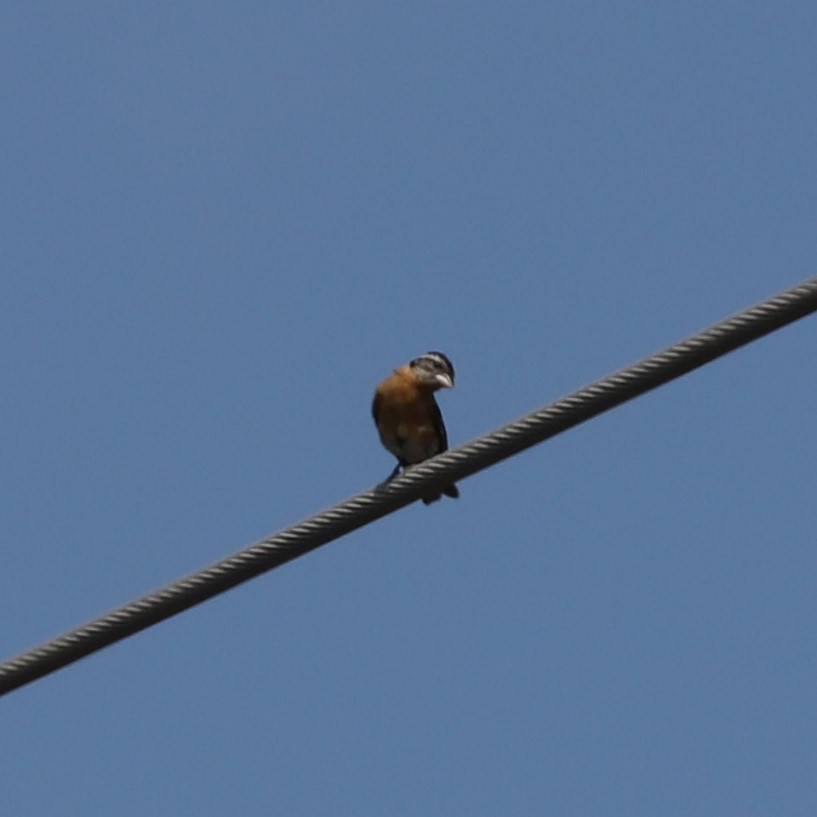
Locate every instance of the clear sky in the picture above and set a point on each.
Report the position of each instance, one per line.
(223, 223)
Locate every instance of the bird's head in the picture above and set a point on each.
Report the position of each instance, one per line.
(434, 370)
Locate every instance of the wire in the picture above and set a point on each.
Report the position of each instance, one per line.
(453, 466)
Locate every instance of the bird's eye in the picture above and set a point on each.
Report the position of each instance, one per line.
(437, 364)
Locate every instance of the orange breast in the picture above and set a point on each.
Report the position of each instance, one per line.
(405, 419)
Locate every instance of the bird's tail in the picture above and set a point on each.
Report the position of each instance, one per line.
(449, 490)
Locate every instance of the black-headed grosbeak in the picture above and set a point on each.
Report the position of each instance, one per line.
(407, 416)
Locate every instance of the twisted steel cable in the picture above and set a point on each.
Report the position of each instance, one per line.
(453, 466)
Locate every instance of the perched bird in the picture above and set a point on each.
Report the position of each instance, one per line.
(407, 416)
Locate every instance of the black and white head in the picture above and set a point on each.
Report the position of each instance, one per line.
(434, 369)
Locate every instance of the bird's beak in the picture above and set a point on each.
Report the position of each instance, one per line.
(444, 381)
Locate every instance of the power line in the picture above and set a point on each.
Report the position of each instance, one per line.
(452, 466)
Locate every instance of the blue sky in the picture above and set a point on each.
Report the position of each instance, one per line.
(223, 223)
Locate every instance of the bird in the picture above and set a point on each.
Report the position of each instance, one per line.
(408, 418)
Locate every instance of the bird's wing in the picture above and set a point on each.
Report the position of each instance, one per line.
(439, 426)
